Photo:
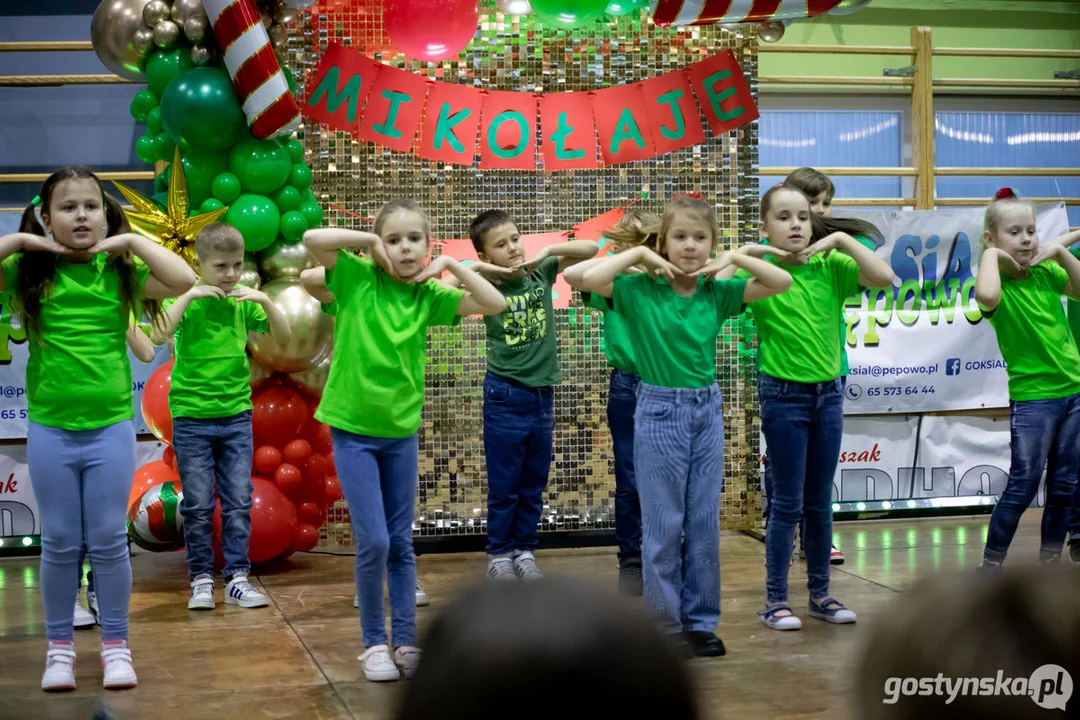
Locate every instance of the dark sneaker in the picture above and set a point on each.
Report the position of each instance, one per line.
(705, 644)
(630, 580)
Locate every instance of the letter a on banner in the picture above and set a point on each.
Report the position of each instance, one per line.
(569, 140)
(451, 117)
(672, 112)
(622, 124)
(395, 102)
(508, 131)
(722, 92)
(337, 92)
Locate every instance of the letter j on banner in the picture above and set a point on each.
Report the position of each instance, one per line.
(722, 92)
(672, 112)
(508, 131)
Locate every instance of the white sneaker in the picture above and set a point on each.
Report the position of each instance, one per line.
(421, 598)
(116, 661)
(408, 659)
(239, 591)
(202, 593)
(525, 567)
(501, 569)
(83, 617)
(356, 601)
(378, 665)
(59, 667)
(91, 603)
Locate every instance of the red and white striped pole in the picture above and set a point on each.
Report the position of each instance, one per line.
(256, 74)
(709, 12)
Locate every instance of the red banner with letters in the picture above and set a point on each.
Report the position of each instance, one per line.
(620, 124)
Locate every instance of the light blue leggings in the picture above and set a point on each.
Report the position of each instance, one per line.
(81, 481)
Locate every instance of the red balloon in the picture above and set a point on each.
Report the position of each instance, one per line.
(319, 437)
(310, 514)
(169, 457)
(267, 459)
(149, 475)
(279, 413)
(333, 490)
(155, 402)
(431, 31)
(273, 521)
(331, 469)
(315, 475)
(306, 538)
(288, 478)
(297, 452)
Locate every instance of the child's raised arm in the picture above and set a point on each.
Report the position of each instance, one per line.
(27, 242)
(988, 281)
(569, 253)
(481, 297)
(324, 244)
(767, 280)
(164, 326)
(140, 344)
(279, 326)
(1048, 249)
(314, 281)
(600, 278)
(874, 272)
(169, 276)
(1072, 267)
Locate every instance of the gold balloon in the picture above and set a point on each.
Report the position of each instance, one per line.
(112, 33)
(314, 380)
(259, 374)
(285, 261)
(310, 330)
(154, 12)
(183, 10)
(250, 276)
(166, 33)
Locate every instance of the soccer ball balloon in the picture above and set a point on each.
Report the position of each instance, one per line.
(154, 521)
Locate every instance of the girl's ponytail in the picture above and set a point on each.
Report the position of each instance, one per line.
(636, 227)
(824, 226)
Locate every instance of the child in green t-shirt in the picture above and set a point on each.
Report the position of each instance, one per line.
(1020, 292)
(383, 306)
(210, 402)
(522, 370)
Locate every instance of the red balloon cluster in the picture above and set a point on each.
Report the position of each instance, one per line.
(293, 475)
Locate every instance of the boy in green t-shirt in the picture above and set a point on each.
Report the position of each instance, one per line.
(210, 402)
(522, 370)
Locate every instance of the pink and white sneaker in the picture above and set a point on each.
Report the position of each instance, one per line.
(59, 673)
(116, 662)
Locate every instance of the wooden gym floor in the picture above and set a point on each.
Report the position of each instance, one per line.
(297, 658)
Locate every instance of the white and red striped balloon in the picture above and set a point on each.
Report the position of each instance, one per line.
(256, 74)
(709, 12)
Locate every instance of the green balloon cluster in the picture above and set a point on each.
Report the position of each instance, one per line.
(265, 184)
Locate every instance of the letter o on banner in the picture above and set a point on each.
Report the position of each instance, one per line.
(508, 131)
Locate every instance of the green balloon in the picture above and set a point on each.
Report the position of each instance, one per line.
(287, 199)
(143, 102)
(164, 66)
(200, 171)
(262, 165)
(144, 148)
(618, 8)
(300, 176)
(164, 147)
(201, 109)
(567, 14)
(226, 187)
(293, 225)
(153, 121)
(312, 212)
(161, 180)
(161, 198)
(210, 205)
(295, 148)
(257, 219)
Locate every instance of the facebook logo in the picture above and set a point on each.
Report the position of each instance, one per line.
(952, 366)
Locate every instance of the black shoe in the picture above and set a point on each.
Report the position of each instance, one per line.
(705, 644)
(989, 568)
(630, 581)
(1074, 551)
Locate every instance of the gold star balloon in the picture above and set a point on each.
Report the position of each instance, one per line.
(171, 229)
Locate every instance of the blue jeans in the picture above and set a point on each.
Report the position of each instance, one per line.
(213, 451)
(804, 424)
(81, 481)
(378, 478)
(679, 458)
(622, 402)
(1043, 434)
(518, 424)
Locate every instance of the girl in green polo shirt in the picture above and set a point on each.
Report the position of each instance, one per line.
(1021, 295)
(383, 306)
(75, 274)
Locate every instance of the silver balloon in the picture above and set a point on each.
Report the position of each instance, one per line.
(258, 373)
(310, 335)
(314, 380)
(155, 11)
(184, 10)
(771, 31)
(284, 14)
(195, 28)
(200, 55)
(112, 33)
(847, 7)
(287, 261)
(514, 7)
(166, 33)
(299, 4)
(278, 36)
(250, 276)
(143, 41)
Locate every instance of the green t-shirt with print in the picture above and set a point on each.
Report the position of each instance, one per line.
(78, 376)
(800, 330)
(674, 337)
(1034, 336)
(521, 339)
(617, 347)
(376, 382)
(210, 377)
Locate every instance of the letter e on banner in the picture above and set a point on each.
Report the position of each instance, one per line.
(508, 131)
(622, 124)
(566, 120)
(722, 92)
(451, 118)
(673, 113)
(394, 105)
(337, 92)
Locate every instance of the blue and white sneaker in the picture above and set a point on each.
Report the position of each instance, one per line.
(831, 610)
(240, 592)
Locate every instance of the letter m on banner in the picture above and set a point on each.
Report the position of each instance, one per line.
(337, 92)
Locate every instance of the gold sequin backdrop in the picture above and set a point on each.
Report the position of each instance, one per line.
(518, 54)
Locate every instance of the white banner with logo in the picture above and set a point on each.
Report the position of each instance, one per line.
(923, 345)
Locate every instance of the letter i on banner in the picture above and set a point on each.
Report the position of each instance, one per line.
(622, 124)
(337, 92)
(394, 106)
(451, 118)
(508, 131)
(675, 120)
(722, 92)
(569, 135)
